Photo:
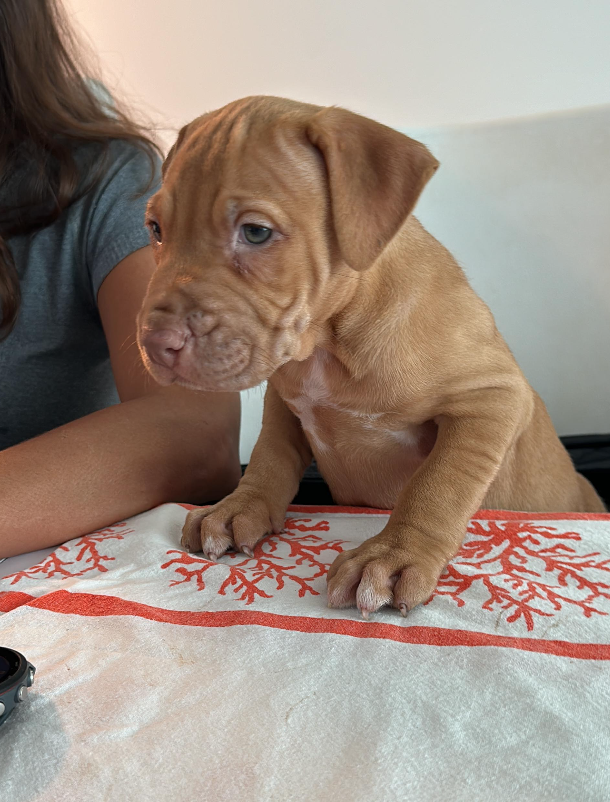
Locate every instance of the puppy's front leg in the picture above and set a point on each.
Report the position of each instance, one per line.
(269, 484)
(402, 564)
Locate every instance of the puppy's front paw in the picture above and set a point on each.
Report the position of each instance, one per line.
(392, 568)
(237, 522)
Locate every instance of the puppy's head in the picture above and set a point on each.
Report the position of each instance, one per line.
(268, 212)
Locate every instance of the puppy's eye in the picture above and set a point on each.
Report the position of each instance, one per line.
(155, 230)
(255, 235)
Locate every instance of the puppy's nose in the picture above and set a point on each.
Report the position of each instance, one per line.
(164, 345)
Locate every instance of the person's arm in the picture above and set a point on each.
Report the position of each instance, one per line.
(160, 444)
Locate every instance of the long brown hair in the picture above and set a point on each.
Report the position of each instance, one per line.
(49, 109)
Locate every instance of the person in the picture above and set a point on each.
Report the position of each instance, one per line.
(86, 437)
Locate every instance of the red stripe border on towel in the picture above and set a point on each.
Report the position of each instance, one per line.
(87, 604)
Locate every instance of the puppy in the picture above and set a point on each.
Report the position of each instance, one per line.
(286, 250)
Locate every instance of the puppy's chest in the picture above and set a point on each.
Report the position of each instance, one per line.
(336, 413)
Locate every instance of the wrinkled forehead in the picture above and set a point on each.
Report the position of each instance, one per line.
(242, 153)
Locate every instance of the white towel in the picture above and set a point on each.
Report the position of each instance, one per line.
(160, 674)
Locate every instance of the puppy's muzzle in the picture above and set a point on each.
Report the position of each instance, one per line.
(169, 339)
(198, 350)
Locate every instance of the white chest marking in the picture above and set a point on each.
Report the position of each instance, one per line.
(315, 392)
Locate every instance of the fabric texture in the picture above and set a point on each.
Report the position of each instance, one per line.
(55, 365)
(161, 674)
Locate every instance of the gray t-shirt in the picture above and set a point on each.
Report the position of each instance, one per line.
(54, 365)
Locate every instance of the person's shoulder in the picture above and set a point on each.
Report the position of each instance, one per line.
(140, 158)
(130, 166)
(124, 163)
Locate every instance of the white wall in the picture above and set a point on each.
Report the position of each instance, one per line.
(405, 62)
(524, 206)
(412, 64)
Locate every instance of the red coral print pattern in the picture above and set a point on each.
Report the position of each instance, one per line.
(527, 569)
(275, 559)
(85, 554)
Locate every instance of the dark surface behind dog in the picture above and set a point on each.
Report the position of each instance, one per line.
(590, 455)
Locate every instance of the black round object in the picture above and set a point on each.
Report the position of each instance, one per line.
(16, 676)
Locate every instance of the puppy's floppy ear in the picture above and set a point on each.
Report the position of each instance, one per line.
(375, 177)
(172, 150)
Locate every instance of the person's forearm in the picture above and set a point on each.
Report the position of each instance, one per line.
(170, 446)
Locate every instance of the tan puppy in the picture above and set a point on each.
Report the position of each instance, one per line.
(287, 251)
